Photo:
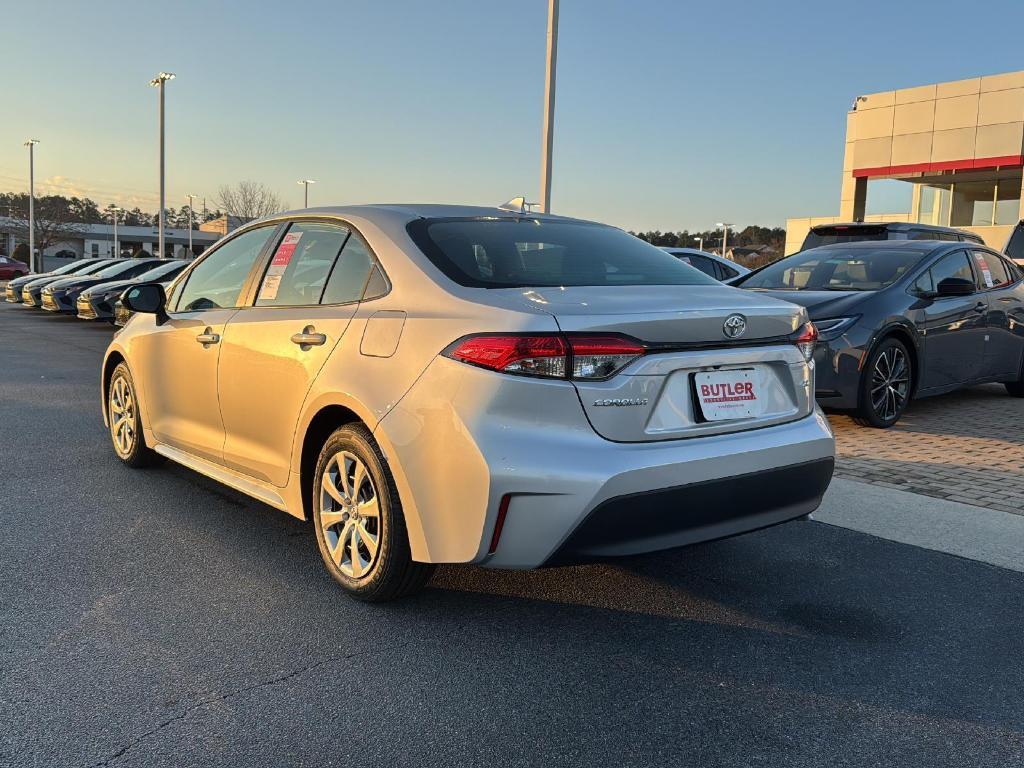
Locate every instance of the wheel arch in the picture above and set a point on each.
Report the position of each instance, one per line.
(318, 427)
(114, 358)
(907, 335)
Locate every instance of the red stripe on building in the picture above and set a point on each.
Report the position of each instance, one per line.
(1006, 161)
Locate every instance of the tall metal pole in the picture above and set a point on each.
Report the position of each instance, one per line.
(190, 198)
(35, 262)
(305, 183)
(725, 236)
(549, 108)
(117, 251)
(159, 82)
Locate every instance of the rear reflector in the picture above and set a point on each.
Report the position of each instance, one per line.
(499, 523)
(551, 356)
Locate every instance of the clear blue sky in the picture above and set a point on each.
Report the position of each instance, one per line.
(670, 113)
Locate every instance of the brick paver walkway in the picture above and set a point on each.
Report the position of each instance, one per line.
(967, 446)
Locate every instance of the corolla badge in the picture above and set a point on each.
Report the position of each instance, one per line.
(734, 326)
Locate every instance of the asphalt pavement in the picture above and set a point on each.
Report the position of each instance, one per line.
(153, 618)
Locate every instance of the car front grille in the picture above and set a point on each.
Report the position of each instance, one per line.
(49, 303)
(28, 298)
(11, 295)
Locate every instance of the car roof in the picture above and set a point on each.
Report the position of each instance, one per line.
(907, 245)
(895, 225)
(411, 211)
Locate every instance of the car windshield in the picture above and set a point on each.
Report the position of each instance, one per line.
(113, 270)
(838, 269)
(161, 272)
(532, 252)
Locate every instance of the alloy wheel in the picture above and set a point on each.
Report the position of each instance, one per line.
(122, 416)
(890, 383)
(350, 515)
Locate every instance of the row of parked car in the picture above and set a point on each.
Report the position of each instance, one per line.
(91, 288)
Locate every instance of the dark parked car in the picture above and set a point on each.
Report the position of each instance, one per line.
(905, 319)
(1015, 244)
(97, 302)
(13, 292)
(61, 295)
(12, 268)
(32, 290)
(830, 234)
(708, 263)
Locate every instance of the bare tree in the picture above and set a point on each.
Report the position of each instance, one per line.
(248, 200)
(56, 221)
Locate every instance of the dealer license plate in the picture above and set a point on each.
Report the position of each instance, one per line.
(729, 394)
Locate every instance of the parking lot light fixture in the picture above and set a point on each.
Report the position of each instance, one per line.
(700, 242)
(35, 263)
(725, 236)
(158, 83)
(548, 140)
(305, 183)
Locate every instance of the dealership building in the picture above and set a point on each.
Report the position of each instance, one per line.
(959, 146)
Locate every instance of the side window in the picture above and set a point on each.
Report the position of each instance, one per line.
(924, 285)
(298, 271)
(951, 265)
(991, 271)
(727, 272)
(351, 273)
(704, 264)
(1015, 245)
(1013, 271)
(217, 280)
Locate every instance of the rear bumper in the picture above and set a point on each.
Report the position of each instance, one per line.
(704, 511)
(465, 439)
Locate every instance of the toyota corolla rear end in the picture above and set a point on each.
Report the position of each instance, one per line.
(642, 407)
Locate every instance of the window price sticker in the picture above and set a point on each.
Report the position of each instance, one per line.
(986, 273)
(278, 265)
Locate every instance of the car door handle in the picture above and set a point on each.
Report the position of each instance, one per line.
(208, 337)
(309, 337)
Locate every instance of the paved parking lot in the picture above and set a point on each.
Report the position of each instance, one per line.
(967, 446)
(154, 618)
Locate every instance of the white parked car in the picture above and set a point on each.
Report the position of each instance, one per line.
(441, 384)
(709, 263)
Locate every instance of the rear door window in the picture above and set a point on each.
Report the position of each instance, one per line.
(991, 270)
(348, 281)
(298, 270)
(705, 265)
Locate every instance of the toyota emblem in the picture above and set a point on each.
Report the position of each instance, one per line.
(734, 326)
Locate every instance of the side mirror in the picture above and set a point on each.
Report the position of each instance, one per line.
(955, 286)
(147, 297)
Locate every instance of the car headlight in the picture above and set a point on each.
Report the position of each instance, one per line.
(48, 291)
(834, 327)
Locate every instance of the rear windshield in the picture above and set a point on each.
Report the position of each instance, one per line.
(838, 269)
(527, 252)
(832, 235)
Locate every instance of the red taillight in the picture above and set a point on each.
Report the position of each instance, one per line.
(805, 339)
(499, 523)
(549, 355)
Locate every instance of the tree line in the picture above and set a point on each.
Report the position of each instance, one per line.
(775, 237)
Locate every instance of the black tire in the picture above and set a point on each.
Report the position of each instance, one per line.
(391, 572)
(138, 454)
(870, 411)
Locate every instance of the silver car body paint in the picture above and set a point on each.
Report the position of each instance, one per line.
(459, 438)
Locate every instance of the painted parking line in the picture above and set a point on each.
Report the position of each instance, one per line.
(976, 533)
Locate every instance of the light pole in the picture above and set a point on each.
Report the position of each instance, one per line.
(305, 183)
(34, 262)
(700, 240)
(158, 82)
(114, 210)
(190, 199)
(725, 236)
(549, 108)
